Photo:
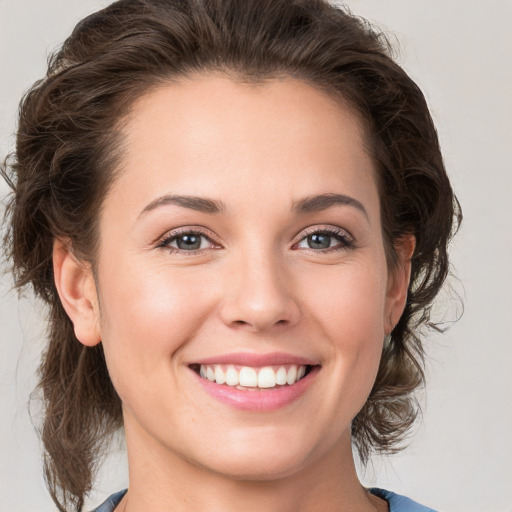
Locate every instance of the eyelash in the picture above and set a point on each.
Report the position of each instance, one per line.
(176, 234)
(346, 241)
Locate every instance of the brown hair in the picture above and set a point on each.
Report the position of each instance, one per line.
(68, 147)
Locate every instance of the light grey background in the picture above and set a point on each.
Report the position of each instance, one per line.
(459, 52)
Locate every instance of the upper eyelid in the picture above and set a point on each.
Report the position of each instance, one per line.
(176, 232)
(210, 235)
(334, 230)
(345, 238)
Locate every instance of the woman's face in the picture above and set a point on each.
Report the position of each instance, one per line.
(242, 241)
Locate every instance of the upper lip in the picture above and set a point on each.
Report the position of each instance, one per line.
(256, 360)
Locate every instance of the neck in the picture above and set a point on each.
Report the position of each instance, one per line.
(163, 480)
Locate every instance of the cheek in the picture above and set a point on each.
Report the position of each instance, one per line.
(348, 301)
(346, 307)
(148, 319)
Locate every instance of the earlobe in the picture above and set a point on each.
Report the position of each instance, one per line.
(398, 282)
(75, 285)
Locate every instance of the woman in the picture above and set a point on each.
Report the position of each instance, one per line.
(237, 213)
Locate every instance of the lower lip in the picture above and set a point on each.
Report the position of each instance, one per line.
(259, 400)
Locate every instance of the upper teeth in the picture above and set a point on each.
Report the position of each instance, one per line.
(247, 376)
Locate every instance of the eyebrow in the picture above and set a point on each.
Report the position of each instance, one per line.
(323, 201)
(201, 204)
(307, 205)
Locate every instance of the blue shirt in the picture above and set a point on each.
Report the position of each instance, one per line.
(396, 502)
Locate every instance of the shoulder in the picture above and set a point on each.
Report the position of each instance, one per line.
(111, 502)
(399, 503)
(396, 502)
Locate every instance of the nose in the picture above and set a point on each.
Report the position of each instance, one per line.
(259, 295)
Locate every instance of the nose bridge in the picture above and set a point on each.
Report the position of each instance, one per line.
(258, 291)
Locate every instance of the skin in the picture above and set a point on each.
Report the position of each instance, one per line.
(255, 285)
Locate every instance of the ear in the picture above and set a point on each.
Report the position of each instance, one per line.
(75, 285)
(398, 281)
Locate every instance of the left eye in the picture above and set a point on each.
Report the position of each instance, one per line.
(187, 242)
(322, 240)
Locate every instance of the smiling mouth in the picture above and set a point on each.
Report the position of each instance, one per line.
(252, 378)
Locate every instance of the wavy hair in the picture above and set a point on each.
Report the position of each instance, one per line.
(68, 148)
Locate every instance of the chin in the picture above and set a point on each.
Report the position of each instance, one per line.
(261, 458)
(260, 467)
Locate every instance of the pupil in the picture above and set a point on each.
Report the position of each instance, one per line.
(189, 242)
(319, 241)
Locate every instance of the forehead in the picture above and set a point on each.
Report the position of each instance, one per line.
(208, 134)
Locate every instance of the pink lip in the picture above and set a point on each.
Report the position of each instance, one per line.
(263, 400)
(257, 360)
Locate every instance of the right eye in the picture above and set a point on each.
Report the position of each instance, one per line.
(187, 241)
